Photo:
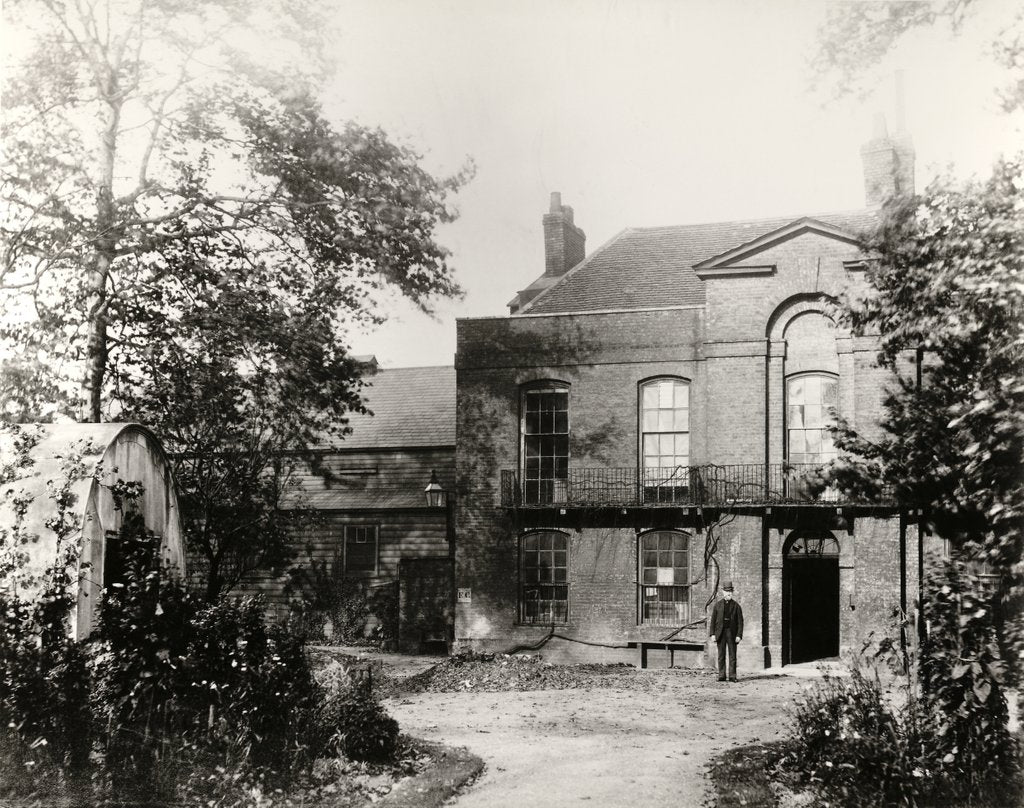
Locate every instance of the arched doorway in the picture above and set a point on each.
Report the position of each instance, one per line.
(810, 597)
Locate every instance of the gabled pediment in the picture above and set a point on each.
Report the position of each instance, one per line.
(741, 260)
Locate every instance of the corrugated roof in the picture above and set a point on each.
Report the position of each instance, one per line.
(410, 406)
(652, 267)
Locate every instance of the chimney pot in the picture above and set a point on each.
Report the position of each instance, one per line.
(556, 202)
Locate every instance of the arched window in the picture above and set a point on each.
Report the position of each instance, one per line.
(544, 577)
(665, 439)
(545, 442)
(811, 403)
(664, 578)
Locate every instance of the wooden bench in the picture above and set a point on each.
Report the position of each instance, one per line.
(670, 645)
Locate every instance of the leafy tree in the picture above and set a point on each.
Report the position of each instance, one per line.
(857, 36)
(948, 293)
(187, 240)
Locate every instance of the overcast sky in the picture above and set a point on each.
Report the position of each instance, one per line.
(639, 113)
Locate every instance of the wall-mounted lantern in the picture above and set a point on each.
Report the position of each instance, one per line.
(435, 494)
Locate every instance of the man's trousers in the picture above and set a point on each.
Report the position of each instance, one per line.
(727, 639)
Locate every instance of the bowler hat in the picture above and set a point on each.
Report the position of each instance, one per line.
(728, 586)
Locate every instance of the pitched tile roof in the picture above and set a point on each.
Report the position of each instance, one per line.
(410, 406)
(652, 267)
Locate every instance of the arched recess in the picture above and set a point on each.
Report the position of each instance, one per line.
(803, 339)
(810, 597)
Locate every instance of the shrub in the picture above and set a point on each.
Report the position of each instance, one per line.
(358, 611)
(850, 744)
(966, 739)
(169, 701)
(860, 745)
(364, 731)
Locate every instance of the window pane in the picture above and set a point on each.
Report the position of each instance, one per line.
(665, 420)
(813, 440)
(682, 576)
(650, 575)
(561, 422)
(682, 446)
(829, 393)
(665, 397)
(797, 444)
(650, 396)
(795, 416)
(681, 421)
(812, 416)
(812, 389)
(665, 541)
(796, 391)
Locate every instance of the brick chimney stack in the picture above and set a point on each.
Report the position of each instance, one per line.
(564, 243)
(888, 159)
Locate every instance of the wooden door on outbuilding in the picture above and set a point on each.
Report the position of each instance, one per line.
(84, 463)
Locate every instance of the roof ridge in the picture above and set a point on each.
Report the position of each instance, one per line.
(759, 220)
(413, 367)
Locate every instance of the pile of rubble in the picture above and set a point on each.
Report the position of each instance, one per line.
(506, 672)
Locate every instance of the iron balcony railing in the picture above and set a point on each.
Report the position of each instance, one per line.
(683, 486)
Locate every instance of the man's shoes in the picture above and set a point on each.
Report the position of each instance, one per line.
(733, 679)
(721, 678)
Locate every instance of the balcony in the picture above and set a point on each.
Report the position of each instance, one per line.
(707, 486)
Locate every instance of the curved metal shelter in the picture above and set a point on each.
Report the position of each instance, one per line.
(86, 461)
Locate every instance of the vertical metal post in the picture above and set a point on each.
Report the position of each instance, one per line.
(920, 523)
(903, 583)
(449, 518)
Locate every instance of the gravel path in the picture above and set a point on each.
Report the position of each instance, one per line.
(615, 746)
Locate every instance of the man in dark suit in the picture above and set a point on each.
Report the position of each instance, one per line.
(727, 630)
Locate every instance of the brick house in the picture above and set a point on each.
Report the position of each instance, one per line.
(645, 425)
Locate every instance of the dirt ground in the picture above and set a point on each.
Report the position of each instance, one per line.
(616, 746)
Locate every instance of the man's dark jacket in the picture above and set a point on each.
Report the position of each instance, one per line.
(718, 621)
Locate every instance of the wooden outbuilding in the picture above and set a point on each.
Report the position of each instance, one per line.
(87, 464)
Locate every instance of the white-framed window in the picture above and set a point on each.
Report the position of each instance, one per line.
(545, 442)
(812, 400)
(361, 547)
(665, 438)
(664, 559)
(544, 577)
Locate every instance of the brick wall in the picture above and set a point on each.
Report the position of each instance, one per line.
(736, 352)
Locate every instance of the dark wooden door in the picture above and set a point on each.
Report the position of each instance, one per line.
(812, 608)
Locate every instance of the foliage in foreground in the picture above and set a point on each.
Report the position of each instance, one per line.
(947, 286)
(169, 701)
(939, 736)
